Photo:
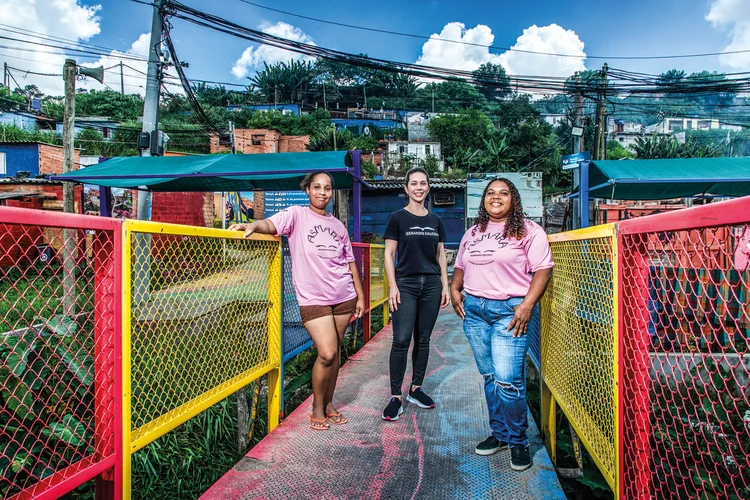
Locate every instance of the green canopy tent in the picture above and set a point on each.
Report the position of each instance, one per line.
(266, 172)
(669, 178)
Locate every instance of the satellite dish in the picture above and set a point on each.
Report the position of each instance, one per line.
(95, 73)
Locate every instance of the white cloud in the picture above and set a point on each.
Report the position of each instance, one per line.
(553, 39)
(68, 19)
(134, 77)
(253, 57)
(734, 14)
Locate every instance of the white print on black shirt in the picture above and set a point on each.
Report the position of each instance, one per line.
(482, 250)
(422, 231)
(326, 241)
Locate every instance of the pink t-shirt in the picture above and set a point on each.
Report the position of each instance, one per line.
(742, 251)
(497, 268)
(321, 253)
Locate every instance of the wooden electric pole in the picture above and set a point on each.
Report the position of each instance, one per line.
(69, 236)
(600, 144)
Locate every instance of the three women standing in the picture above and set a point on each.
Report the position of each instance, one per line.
(504, 264)
(418, 288)
(326, 282)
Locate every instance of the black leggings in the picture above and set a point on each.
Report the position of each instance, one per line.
(416, 315)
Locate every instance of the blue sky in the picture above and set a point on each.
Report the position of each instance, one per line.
(631, 27)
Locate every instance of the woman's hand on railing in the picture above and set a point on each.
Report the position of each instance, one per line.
(394, 297)
(248, 228)
(457, 298)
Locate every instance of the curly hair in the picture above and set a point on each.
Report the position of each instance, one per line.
(515, 226)
(307, 181)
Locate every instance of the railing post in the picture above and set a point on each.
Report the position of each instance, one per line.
(367, 319)
(634, 418)
(275, 318)
(127, 297)
(106, 295)
(549, 421)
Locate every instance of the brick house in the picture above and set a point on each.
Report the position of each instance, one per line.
(36, 158)
(260, 141)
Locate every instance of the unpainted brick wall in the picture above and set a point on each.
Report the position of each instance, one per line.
(51, 159)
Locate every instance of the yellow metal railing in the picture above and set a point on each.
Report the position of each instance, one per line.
(579, 353)
(201, 319)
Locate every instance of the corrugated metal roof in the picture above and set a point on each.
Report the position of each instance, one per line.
(28, 180)
(434, 184)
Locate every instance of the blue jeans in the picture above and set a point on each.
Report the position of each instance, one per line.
(501, 359)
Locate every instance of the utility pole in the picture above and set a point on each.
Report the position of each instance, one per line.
(433, 100)
(364, 89)
(151, 103)
(6, 79)
(577, 143)
(334, 136)
(600, 152)
(69, 236)
(325, 103)
(69, 76)
(122, 81)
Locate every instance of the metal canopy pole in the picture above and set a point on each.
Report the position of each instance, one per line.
(357, 195)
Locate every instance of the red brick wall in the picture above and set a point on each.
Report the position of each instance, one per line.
(51, 159)
(271, 141)
(192, 209)
(53, 199)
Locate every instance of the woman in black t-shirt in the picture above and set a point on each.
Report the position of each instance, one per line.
(418, 284)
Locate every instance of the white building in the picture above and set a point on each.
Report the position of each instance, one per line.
(415, 151)
(678, 124)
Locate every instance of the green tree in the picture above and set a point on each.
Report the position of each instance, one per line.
(465, 130)
(491, 81)
(284, 82)
(616, 151)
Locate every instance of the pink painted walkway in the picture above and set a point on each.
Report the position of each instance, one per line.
(425, 454)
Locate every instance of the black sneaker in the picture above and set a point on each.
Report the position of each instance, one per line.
(420, 399)
(490, 446)
(393, 410)
(520, 458)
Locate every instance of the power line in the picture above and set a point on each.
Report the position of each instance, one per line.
(510, 49)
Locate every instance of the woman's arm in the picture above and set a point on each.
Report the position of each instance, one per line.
(445, 297)
(360, 308)
(519, 325)
(263, 226)
(456, 296)
(394, 297)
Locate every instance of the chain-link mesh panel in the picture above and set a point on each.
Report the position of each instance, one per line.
(57, 361)
(378, 279)
(200, 321)
(578, 341)
(686, 364)
(295, 336)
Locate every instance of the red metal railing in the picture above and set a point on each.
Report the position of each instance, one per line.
(684, 323)
(60, 343)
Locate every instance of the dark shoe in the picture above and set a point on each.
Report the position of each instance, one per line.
(420, 399)
(393, 410)
(490, 446)
(520, 458)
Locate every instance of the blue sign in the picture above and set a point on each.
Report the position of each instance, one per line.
(571, 161)
(276, 201)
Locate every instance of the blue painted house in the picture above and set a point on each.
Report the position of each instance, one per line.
(26, 121)
(447, 199)
(36, 158)
(102, 124)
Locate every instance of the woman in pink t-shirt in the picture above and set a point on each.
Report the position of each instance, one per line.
(326, 282)
(503, 264)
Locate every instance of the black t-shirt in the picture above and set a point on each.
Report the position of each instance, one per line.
(418, 238)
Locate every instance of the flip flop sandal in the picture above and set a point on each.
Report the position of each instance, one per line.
(319, 425)
(340, 419)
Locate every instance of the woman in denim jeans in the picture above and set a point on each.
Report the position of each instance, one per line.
(418, 285)
(503, 264)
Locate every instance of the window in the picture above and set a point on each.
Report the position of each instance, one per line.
(107, 132)
(402, 149)
(444, 198)
(675, 125)
(258, 139)
(3, 170)
(704, 124)
(621, 139)
(427, 149)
